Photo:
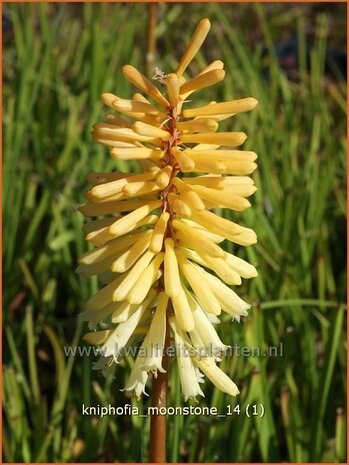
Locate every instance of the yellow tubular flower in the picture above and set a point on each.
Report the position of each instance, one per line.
(156, 241)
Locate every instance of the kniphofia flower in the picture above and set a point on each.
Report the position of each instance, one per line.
(156, 235)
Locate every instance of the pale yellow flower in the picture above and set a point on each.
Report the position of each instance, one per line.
(156, 235)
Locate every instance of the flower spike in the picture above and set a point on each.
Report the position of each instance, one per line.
(157, 239)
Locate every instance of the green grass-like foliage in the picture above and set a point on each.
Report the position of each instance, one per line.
(57, 61)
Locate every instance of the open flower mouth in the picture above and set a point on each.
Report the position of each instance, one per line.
(156, 236)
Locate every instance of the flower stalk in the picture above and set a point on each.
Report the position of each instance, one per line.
(151, 52)
(158, 426)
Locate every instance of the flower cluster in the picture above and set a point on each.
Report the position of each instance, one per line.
(157, 244)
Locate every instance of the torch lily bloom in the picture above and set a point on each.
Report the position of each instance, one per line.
(156, 234)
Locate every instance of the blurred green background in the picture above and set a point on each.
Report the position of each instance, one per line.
(57, 60)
